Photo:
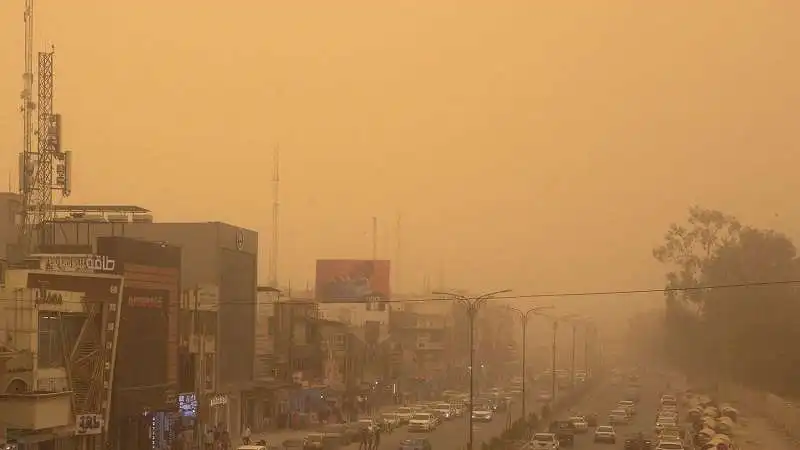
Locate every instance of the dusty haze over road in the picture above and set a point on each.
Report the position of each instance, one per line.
(529, 145)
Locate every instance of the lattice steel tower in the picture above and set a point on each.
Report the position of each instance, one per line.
(46, 168)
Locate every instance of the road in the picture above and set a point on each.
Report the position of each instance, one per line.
(603, 399)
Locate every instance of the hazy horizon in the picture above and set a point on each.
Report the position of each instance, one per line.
(533, 146)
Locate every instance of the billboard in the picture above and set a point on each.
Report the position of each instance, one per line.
(352, 280)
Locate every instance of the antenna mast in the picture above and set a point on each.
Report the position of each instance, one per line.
(374, 238)
(398, 253)
(273, 254)
(37, 167)
(26, 166)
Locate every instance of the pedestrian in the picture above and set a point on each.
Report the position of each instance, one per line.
(246, 435)
(364, 445)
(377, 438)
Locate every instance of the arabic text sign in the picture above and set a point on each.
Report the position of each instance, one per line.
(78, 263)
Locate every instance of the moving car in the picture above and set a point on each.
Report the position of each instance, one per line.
(422, 422)
(591, 419)
(564, 431)
(444, 410)
(605, 433)
(670, 445)
(665, 422)
(618, 417)
(628, 405)
(580, 424)
(545, 441)
(415, 444)
(638, 442)
(404, 414)
(482, 414)
(389, 421)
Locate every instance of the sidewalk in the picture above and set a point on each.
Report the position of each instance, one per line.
(758, 433)
(278, 436)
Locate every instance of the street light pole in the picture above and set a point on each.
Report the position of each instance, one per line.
(553, 365)
(524, 316)
(472, 305)
(572, 357)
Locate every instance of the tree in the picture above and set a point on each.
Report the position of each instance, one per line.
(745, 330)
(688, 248)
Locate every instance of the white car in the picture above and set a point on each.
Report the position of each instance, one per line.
(670, 445)
(605, 433)
(628, 405)
(664, 422)
(482, 415)
(422, 422)
(580, 424)
(404, 414)
(545, 441)
(444, 410)
(619, 417)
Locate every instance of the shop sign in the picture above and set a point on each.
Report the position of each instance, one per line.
(218, 400)
(78, 263)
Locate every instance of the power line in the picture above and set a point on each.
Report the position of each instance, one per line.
(565, 294)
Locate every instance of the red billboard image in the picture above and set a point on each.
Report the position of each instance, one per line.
(352, 280)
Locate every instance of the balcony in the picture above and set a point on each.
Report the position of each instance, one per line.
(36, 410)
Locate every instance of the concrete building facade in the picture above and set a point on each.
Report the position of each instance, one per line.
(219, 272)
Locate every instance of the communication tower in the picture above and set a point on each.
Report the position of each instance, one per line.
(47, 167)
(273, 251)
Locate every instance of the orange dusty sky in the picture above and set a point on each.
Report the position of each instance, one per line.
(539, 146)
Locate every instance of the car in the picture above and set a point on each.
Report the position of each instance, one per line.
(580, 424)
(368, 423)
(404, 414)
(670, 434)
(628, 405)
(389, 421)
(591, 419)
(670, 445)
(638, 442)
(422, 422)
(663, 422)
(444, 410)
(415, 444)
(605, 433)
(618, 417)
(545, 441)
(564, 431)
(482, 414)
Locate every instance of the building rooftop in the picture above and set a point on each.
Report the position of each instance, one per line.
(133, 209)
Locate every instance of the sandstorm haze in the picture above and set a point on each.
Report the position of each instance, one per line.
(528, 145)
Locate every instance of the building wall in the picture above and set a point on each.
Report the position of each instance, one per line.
(10, 206)
(148, 332)
(214, 260)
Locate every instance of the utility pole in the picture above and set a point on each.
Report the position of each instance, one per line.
(572, 357)
(374, 238)
(524, 317)
(472, 305)
(555, 349)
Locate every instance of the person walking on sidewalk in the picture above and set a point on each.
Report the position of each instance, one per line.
(364, 445)
(376, 439)
(246, 435)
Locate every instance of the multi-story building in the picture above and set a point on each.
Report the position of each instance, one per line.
(422, 346)
(219, 276)
(82, 328)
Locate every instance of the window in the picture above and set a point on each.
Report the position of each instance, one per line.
(50, 352)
